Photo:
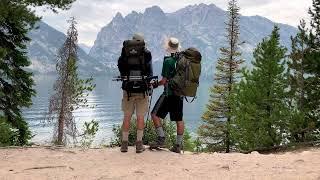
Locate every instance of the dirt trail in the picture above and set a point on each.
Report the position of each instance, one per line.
(103, 164)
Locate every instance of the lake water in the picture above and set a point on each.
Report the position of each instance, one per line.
(107, 98)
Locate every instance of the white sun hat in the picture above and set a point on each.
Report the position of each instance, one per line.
(172, 45)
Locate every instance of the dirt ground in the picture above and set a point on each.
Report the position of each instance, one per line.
(102, 164)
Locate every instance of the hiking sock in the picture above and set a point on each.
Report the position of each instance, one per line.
(179, 139)
(160, 131)
(139, 135)
(125, 136)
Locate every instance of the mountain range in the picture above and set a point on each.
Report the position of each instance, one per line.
(201, 26)
(44, 46)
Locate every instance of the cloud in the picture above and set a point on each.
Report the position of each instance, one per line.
(282, 11)
(92, 15)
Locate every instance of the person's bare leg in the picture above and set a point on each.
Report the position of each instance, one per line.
(160, 142)
(180, 131)
(125, 132)
(179, 140)
(158, 126)
(156, 120)
(126, 122)
(140, 126)
(180, 127)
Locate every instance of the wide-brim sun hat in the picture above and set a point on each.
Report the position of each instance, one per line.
(172, 45)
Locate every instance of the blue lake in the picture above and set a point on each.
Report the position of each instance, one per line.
(107, 99)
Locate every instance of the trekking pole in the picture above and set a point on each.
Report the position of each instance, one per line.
(150, 103)
(152, 77)
(134, 78)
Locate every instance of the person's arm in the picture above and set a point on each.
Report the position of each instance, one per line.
(148, 59)
(163, 81)
(165, 73)
(121, 60)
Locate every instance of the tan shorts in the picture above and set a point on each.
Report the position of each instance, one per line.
(137, 102)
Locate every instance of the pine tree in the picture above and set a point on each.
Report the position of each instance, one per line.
(300, 125)
(215, 131)
(315, 22)
(313, 67)
(70, 90)
(259, 105)
(16, 84)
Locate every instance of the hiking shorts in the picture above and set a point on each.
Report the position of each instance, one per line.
(169, 104)
(137, 102)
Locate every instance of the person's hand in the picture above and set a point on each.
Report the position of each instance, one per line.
(155, 84)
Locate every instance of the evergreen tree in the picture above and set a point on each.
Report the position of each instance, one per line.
(16, 84)
(313, 67)
(70, 90)
(259, 103)
(315, 22)
(215, 132)
(301, 126)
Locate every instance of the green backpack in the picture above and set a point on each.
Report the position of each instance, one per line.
(188, 70)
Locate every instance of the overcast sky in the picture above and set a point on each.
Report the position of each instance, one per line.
(92, 15)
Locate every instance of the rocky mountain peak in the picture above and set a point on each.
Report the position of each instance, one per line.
(200, 7)
(201, 26)
(118, 18)
(154, 11)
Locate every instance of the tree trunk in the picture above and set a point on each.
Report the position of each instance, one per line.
(232, 48)
(61, 122)
(228, 137)
(60, 128)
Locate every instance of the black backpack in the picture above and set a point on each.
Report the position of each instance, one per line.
(133, 64)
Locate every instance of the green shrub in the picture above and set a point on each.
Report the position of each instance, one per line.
(150, 135)
(90, 130)
(8, 135)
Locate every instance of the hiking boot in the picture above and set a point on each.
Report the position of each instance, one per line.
(159, 143)
(139, 147)
(176, 148)
(124, 146)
